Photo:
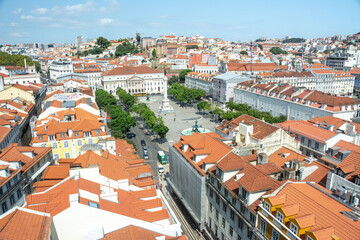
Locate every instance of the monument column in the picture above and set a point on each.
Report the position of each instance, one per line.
(165, 103)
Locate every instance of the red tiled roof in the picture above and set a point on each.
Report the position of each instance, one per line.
(130, 71)
(327, 211)
(24, 224)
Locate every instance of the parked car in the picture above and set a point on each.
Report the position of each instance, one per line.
(161, 168)
(146, 156)
(131, 135)
(145, 150)
(143, 143)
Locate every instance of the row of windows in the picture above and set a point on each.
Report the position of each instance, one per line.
(76, 134)
(5, 205)
(66, 143)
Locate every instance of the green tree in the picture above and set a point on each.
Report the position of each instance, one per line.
(203, 106)
(138, 38)
(294, 40)
(124, 48)
(277, 50)
(17, 60)
(154, 53)
(260, 46)
(183, 73)
(244, 53)
(103, 42)
(160, 129)
(218, 112)
(126, 97)
(192, 47)
(172, 80)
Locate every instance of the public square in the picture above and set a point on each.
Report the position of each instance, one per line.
(182, 118)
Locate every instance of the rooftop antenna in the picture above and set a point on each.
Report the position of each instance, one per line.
(251, 57)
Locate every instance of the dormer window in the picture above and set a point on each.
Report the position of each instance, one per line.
(279, 217)
(294, 228)
(357, 181)
(40, 137)
(62, 135)
(87, 134)
(267, 206)
(76, 134)
(52, 137)
(97, 132)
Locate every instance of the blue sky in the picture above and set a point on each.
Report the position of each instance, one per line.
(25, 21)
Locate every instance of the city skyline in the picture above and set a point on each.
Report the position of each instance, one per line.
(25, 21)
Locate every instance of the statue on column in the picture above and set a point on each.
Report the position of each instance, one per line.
(165, 106)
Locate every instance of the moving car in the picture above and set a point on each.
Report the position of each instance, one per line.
(143, 143)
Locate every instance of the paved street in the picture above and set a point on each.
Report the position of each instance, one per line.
(152, 146)
(182, 118)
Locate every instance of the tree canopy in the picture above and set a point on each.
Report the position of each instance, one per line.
(124, 48)
(183, 73)
(203, 106)
(17, 60)
(244, 53)
(121, 121)
(192, 47)
(277, 50)
(138, 38)
(154, 53)
(260, 46)
(104, 99)
(294, 40)
(184, 94)
(126, 97)
(260, 40)
(235, 110)
(103, 42)
(172, 80)
(145, 113)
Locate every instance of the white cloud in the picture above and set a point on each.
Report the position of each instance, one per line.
(17, 11)
(106, 21)
(13, 24)
(18, 34)
(31, 18)
(28, 17)
(39, 11)
(75, 9)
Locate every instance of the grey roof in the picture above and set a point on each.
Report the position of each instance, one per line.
(232, 77)
(46, 105)
(92, 146)
(68, 104)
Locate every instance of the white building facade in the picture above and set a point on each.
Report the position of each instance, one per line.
(202, 81)
(135, 80)
(303, 104)
(60, 67)
(223, 86)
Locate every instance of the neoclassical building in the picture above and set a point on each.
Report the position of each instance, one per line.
(135, 80)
